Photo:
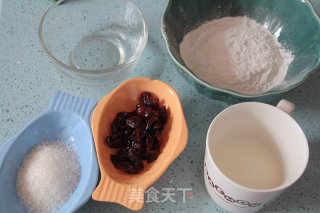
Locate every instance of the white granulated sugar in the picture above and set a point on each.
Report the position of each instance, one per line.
(236, 53)
(48, 176)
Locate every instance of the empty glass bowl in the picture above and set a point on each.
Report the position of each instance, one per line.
(93, 41)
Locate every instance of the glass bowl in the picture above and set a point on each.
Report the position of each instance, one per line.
(93, 42)
(293, 22)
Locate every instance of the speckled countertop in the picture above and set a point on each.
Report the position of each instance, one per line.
(28, 79)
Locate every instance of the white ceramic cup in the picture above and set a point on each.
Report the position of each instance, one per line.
(263, 123)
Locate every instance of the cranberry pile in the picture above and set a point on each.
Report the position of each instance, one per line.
(137, 134)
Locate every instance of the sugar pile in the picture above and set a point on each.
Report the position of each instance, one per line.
(236, 53)
(48, 176)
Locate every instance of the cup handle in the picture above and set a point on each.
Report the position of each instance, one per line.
(286, 106)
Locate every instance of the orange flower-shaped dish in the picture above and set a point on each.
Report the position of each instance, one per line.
(115, 185)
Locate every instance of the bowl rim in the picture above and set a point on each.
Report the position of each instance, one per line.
(102, 71)
(224, 90)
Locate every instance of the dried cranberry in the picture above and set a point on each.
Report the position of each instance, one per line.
(134, 156)
(158, 136)
(156, 145)
(133, 169)
(136, 145)
(152, 119)
(141, 109)
(121, 116)
(126, 131)
(121, 156)
(134, 122)
(115, 141)
(163, 114)
(156, 125)
(137, 134)
(147, 99)
(150, 155)
(148, 112)
(149, 141)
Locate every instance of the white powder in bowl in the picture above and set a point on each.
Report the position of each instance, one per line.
(236, 53)
(48, 176)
